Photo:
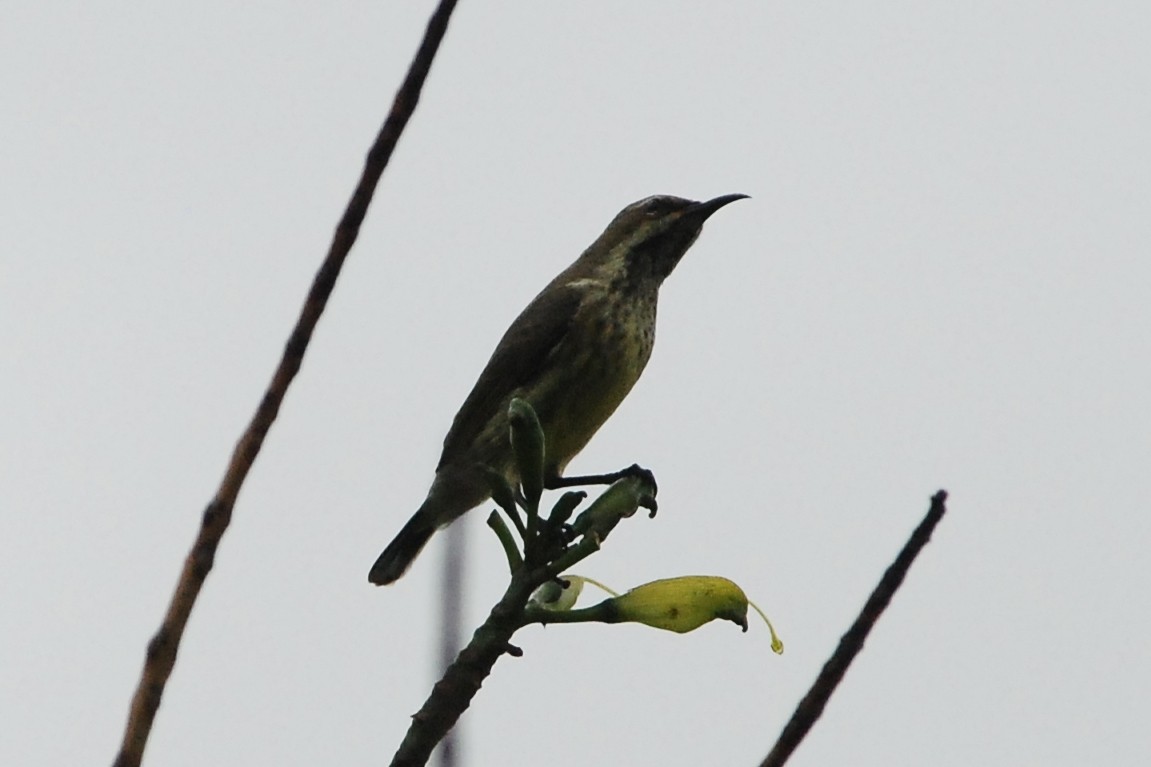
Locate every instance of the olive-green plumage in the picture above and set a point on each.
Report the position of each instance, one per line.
(574, 353)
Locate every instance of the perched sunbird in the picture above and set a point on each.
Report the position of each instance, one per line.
(574, 353)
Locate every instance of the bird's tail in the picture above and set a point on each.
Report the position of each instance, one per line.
(402, 551)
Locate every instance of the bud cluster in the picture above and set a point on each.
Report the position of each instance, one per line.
(553, 545)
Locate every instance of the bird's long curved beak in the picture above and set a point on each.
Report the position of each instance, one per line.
(703, 210)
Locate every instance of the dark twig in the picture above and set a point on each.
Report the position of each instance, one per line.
(811, 707)
(161, 655)
(545, 548)
(454, 692)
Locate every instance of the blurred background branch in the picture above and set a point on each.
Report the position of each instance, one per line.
(162, 649)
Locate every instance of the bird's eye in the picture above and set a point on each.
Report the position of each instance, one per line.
(659, 206)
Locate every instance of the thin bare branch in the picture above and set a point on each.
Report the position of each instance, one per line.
(811, 707)
(161, 654)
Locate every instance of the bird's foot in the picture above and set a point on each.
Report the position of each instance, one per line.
(635, 470)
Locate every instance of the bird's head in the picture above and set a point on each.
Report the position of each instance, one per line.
(646, 240)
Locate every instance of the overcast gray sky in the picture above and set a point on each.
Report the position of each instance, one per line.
(941, 280)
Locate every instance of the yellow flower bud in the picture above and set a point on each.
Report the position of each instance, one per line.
(682, 604)
(675, 604)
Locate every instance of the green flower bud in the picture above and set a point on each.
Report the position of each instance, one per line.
(565, 507)
(528, 444)
(619, 501)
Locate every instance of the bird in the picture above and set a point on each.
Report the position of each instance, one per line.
(573, 354)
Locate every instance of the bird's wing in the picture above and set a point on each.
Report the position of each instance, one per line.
(518, 359)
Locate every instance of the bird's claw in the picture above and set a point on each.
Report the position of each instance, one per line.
(639, 472)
